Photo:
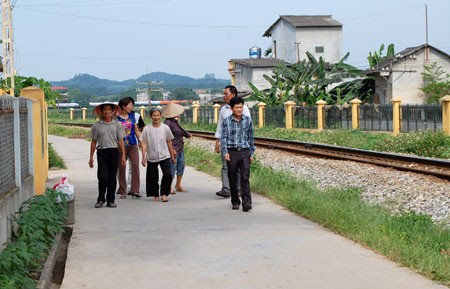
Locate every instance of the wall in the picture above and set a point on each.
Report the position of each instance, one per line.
(254, 75)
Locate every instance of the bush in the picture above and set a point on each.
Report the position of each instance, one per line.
(39, 219)
(54, 160)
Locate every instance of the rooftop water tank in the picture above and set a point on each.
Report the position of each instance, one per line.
(255, 52)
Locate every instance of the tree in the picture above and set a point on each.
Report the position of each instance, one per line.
(437, 82)
(23, 81)
(308, 81)
(377, 57)
(183, 94)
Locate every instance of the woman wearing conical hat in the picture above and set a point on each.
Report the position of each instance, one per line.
(172, 112)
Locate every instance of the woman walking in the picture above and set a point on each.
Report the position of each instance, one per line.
(172, 113)
(128, 121)
(156, 144)
(107, 139)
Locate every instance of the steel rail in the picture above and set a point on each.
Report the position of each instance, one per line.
(428, 166)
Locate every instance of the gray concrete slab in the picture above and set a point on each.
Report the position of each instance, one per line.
(196, 241)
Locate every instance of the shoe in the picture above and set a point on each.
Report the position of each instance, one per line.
(246, 208)
(123, 196)
(111, 205)
(135, 195)
(223, 194)
(130, 193)
(164, 199)
(98, 204)
(235, 207)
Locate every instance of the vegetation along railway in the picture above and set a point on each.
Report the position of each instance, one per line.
(427, 166)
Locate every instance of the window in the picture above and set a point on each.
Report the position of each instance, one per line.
(319, 49)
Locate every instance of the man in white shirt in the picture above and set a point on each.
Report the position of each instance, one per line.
(229, 92)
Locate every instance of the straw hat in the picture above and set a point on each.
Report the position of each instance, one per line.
(98, 109)
(172, 110)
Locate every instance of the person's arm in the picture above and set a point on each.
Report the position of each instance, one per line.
(144, 153)
(123, 159)
(251, 140)
(91, 153)
(223, 140)
(137, 132)
(172, 151)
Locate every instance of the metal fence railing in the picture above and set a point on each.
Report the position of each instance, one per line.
(305, 117)
(375, 117)
(421, 117)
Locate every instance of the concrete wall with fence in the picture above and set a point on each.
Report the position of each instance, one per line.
(23, 153)
(394, 117)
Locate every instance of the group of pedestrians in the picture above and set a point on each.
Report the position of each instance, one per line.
(117, 136)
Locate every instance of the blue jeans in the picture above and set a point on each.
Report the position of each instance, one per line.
(178, 167)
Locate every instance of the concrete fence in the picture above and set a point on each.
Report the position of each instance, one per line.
(23, 153)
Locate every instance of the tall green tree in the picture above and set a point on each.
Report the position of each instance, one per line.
(437, 82)
(183, 93)
(24, 81)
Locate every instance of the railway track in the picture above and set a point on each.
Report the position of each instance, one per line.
(427, 166)
(434, 167)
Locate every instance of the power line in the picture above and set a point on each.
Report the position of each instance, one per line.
(89, 3)
(141, 22)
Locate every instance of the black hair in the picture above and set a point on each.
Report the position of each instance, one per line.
(236, 100)
(232, 89)
(125, 101)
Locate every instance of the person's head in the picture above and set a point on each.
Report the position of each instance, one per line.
(126, 104)
(237, 106)
(106, 110)
(229, 92)
(155, 114)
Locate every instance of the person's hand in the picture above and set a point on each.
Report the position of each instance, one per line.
(217, 147)
(144, 162)
(123, 161)
(227, 157)
(252, 159)
(91, 163)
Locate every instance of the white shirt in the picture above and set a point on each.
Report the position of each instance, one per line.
(156, 139)
(225, 112)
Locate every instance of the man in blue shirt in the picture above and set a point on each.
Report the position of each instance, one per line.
(238, 147)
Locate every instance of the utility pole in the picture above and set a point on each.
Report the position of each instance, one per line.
(7, 44)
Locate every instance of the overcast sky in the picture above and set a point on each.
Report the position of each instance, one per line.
(123, 39)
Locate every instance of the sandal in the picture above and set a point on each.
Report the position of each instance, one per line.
(136, 195)
(123, 196)
(164, 199)
(155, 199)
(180, 189)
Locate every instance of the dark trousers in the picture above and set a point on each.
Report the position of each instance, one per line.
(152, 178)
(107, 163)
(239, 164)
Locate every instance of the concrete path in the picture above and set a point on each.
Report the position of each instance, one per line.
(196, 241)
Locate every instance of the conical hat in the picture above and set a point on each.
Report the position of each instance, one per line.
(172, 110)
(98, 111)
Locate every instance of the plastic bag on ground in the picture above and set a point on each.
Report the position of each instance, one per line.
(65, 187)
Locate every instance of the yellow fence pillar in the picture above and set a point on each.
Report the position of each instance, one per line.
(40, 131)
(83, 113)
(446, 114)
(195, 108)
(355, 112)
(216, 112)
(396, 116)
(289, 108)
(142, 111)
(71, 113)
(261, 114)
(320, 115)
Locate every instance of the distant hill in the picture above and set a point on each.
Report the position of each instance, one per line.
(98, 87)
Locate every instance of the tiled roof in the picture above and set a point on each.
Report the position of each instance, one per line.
(261, 62)
(306, 21)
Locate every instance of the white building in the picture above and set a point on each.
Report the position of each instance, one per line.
(401, 76)
(292, 36)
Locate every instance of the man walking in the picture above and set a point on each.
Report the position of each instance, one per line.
(229, 92)
(238, 146)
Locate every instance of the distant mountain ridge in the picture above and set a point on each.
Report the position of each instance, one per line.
(97, 86)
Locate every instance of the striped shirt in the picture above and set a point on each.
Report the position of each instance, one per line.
(238, 134)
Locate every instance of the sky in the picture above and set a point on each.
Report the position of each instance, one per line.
(124, 39)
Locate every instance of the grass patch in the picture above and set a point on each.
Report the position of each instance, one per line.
(411, 240)
(54, 160)
(68, 131)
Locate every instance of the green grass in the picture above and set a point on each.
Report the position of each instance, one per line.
(54, 160)
(411, 240)
(68, 131)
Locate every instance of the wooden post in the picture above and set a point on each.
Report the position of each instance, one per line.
(261, 114)
(195, 108)
(355, 113)
(289, 108)
(320, 115)
(71, 113)
(83, 113)
(216, 112)
(396, 116)
(445, 114)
